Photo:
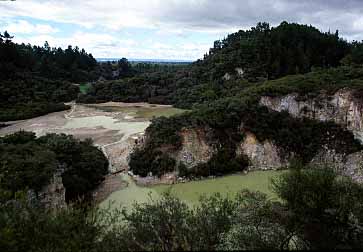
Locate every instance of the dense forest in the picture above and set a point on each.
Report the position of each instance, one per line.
(37, 80)
(316, 209)
(27, 162)
(71, 64)
(240, 60)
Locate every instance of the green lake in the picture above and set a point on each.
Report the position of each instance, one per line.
(190, 192)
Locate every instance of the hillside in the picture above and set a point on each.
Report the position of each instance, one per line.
(231, 123)
(238, 133)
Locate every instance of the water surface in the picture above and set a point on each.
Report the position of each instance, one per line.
(190, 192)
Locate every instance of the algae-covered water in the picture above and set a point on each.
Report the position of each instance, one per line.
(227, 186)
(190, 192)
(129, 195)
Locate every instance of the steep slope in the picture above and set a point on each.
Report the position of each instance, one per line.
(221, 136)
(342, 107)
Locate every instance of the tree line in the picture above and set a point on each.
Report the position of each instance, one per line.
(37, 80)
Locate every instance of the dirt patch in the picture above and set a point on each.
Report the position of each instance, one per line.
(112, 183)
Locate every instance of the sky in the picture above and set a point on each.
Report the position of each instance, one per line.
(164, 29)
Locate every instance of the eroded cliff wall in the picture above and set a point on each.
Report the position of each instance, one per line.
(195, 148)
(342, 107)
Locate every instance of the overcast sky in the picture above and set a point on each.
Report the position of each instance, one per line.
(164, 29)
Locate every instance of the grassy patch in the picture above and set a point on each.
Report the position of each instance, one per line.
(84, 88)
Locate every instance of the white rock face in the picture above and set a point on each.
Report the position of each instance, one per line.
(265, 156)
(342, 108)
(262, 156)
(350, 165)
(226, 76)
(239, 71)
(195, 149)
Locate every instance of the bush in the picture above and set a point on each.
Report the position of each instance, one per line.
(144, 161)
(27, 162)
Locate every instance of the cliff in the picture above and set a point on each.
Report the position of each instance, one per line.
(323, 128)
(342, 107)
(195, 148)
(261, 155)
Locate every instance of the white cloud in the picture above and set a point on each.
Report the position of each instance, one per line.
(177, 18)
(22, 26)
(108, 46)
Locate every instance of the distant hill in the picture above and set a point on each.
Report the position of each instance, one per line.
(152, 61)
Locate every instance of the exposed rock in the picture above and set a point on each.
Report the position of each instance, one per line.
(226, 76)
(166, 179)
(342, 108)
(262, 156)
(265, 156)
(349, 165)
(195, 148)
(53, 195)
(239, 71)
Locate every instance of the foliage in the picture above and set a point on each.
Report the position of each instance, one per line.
(36, 80)
(27, 162)
(225, 161)
(325, 209)
(144, 161)
(26, 166)
(310, 85)
(25, 227)
(71, 64)
(38, 96)
(317, 210)
(257, 225)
